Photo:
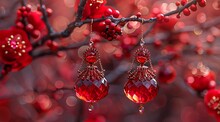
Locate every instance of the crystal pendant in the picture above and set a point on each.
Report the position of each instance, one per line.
(141, 86)
(91, 85)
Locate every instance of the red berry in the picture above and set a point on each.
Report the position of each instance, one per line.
(54, 46)
(49, 12)
(112, 25)
(29, 27)
(193, 7)
(22, 9)
(20, 25)
(28, 8)
(202, 3)
(186, 12)
(108, 12)
(160, 17)
(49, 43)
(35, 34)
(117, 29)
(177, 3)
(108, 21)
(183, 2)
(138, 14)
(157, 43)
(178, 16)
(116, 14)
(25, 13)
(166, 19)
(19, 13)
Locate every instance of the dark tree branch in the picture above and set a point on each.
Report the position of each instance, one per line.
(79, 23)
(148, 40)
(45, 18)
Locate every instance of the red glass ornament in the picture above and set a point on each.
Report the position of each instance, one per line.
(212, 102)
(166, 73)
(91, 85)
(91, 55)
(141, 86)
(15, 47)
(142, 56)
(201, 78)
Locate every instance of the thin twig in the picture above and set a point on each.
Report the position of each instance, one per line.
(45, 18)
(78, 22)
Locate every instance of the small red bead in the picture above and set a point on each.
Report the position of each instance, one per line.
(138, 14)
(108, 21)
(141, 59)
(20, 25)
(160, 17)
(166, 19)
(91, 59)
(54, 46)
(202, 3)
(28, 8)
(177, 3)
(186, 12)
(116, 14)
(183, 2)
(193, 7)
(35, 34)
(49, 12)
(19, 13)
(117, 29)
(112, 25)
(29, 27)
(108, 12)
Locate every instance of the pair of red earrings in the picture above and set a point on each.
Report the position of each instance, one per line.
(91, 85)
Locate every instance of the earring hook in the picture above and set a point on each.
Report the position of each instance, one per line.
(142, 35)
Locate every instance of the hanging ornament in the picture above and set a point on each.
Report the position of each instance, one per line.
(91, 85)
(201, 78)
(166, 73)
(212, 102)
(141, 86)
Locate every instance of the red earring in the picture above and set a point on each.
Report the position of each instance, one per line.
(91, 85)
(141, 86)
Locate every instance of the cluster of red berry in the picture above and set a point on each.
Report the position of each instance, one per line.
(35, 25)
(97, 9)
(193, 7)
